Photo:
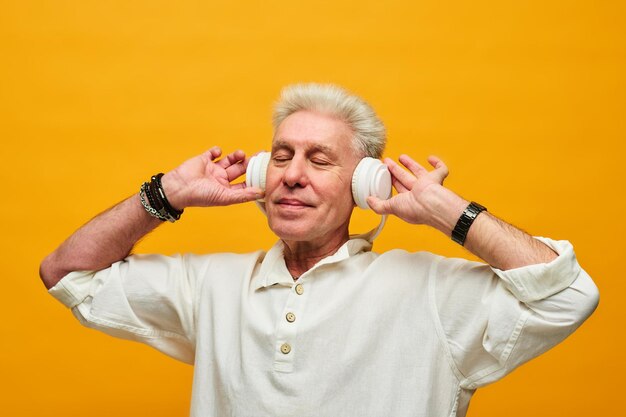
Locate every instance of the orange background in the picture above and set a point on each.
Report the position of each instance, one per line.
(524, 101)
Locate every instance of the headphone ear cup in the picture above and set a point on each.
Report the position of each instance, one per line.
(257, 170)
(356, 175)
(249, 171)
(371, 177)
(263, 163)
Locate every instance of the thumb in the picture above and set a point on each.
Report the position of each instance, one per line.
(243, 195)
(380, 206)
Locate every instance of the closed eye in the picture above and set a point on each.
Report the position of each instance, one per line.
(281, 158)
(321, 162)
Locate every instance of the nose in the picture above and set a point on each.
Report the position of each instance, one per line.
(295, 173)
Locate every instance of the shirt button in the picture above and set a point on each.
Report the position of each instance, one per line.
(299, 289)
(285, 348)
(290, 317)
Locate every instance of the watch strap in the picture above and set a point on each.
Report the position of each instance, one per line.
(459, 234)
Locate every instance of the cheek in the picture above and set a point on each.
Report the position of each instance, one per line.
(272, 178)
(340, 192)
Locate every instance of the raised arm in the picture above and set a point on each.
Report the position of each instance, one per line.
(422, 199)
(202, 181)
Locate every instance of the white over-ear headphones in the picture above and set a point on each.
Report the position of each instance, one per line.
(371, 177)
(257, 170)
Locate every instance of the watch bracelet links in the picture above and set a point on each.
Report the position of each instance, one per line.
(459, 233)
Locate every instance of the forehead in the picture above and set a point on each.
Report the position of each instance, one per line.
(312, 129)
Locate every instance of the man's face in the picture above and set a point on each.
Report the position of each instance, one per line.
(308, 187)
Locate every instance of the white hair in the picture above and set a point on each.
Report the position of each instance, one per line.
(368, 130)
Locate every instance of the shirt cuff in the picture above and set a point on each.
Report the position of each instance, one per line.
(539, 281)
(73, 288)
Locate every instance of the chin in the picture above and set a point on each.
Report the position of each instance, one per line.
(293, 236)
(291, 232)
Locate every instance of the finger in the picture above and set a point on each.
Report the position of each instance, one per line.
(406, 179)
(231, 158)
(398, 185)
(412, 166)
(236, 170)
(239, 193)
(379, 206)
(213, 153)
(441, 170)
(242, 184)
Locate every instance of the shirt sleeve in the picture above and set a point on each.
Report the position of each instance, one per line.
(145, 298)
(492, 321)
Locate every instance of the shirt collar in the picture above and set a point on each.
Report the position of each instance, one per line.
(274, 271)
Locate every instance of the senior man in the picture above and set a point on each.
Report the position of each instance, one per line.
(321, 325)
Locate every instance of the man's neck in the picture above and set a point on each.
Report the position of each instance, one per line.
(302, 256)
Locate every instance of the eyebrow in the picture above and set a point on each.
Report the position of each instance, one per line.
(282, 144)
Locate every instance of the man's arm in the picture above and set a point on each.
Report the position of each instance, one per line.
(492, 319)
(422, 199)
(105, 239)
(202, 181)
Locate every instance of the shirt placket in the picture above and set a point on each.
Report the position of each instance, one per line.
(286, 347)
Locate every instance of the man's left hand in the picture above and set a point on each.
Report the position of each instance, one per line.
(420, 193)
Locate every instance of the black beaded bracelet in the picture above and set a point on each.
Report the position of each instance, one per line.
(143, 194)
(158, 201)
(155, 202)
(163, 199)
(150, 195)
(459, 234)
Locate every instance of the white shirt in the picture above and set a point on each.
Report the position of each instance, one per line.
(359, 334)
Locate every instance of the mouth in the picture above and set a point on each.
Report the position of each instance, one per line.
(292, 203)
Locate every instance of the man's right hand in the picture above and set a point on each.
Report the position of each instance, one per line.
(206, 181)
